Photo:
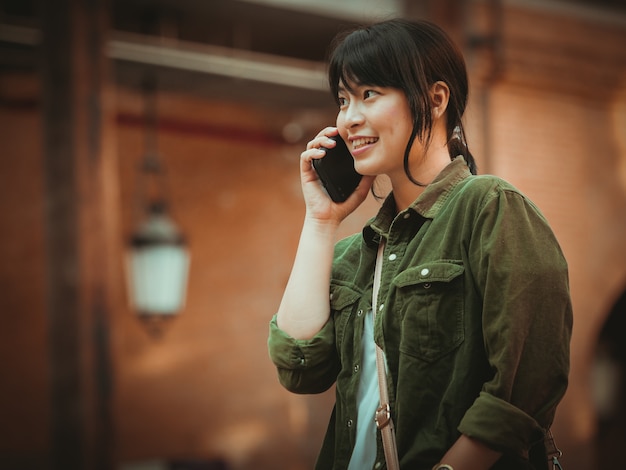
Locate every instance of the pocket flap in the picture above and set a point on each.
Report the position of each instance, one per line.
(341, 296)
(436, 271)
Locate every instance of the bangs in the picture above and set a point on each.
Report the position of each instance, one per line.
(362, 60)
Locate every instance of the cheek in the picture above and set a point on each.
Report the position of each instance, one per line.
(397, 116)
(339, 121)
(400, 126)
(340, 124)
(401, 115)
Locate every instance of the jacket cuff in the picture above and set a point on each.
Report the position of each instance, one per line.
(500, 425)
(289, 353)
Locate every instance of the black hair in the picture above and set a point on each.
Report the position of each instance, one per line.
(410, 56)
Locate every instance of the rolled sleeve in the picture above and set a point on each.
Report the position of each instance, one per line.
(304, 366)
(503, 426)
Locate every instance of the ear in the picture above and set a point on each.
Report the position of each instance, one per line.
(439, 97)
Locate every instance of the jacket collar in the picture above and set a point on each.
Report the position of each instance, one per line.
(427, 205)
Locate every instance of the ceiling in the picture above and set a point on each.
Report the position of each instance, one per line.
(185, 36)
(236, 49)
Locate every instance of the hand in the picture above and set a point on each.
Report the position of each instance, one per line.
(318, 205)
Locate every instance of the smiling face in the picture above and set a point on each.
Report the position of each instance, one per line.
(409, 58)
(376, 123)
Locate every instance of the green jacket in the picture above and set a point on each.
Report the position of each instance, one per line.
(475, 325)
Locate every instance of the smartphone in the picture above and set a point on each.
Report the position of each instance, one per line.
(336, 171)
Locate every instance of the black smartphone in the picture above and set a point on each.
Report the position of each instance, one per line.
(336, 171)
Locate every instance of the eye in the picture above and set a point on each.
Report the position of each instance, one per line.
(369, 93)
(342, 101)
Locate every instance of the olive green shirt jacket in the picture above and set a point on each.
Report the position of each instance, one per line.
(475, 321)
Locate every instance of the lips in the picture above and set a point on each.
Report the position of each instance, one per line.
(362, 141)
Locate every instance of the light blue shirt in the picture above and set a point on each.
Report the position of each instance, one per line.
(368, 399)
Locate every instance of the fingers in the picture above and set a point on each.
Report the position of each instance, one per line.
(307, 157)
(322, 138)
(315, 148)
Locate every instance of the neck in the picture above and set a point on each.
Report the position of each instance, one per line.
(424, 169)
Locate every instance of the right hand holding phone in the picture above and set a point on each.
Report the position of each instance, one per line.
(318, 203)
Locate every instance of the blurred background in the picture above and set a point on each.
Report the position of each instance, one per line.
(134, 129)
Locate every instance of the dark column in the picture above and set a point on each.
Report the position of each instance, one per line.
(79, 176)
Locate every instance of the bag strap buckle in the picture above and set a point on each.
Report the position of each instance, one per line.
(383, 416)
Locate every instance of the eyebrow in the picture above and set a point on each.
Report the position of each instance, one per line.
(342, 88)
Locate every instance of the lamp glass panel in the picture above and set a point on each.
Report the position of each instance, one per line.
(159, 278)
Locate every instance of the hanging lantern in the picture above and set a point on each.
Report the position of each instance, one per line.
(158, 257)
(159, 265)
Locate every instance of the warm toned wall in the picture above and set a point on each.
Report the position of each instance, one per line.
(24, 393)
(557, 130)
(206, 388)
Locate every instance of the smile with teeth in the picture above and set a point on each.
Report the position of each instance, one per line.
(360, 142)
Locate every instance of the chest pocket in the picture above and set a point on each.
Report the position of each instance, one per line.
(343, 302)
(429, 299)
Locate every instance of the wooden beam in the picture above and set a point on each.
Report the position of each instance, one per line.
(78, 177)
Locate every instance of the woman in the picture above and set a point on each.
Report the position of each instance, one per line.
(475, 315)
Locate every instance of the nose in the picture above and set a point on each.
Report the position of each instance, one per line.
(353, 115)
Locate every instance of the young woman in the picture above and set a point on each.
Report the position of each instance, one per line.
(474, 310)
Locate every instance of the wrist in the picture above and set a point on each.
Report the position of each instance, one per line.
(321, 226)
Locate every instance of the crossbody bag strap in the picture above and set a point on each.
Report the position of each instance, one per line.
(383, 414)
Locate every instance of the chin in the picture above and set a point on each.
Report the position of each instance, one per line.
(364, 169)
